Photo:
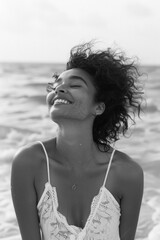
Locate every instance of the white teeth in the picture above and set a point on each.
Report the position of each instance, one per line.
(61, 101)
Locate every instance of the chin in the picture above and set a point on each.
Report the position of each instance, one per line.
(59, 116)
(64, 117)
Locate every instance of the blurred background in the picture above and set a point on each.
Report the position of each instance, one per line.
(35, 39)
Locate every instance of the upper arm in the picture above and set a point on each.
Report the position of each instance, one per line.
(131, 201)
(24, 195)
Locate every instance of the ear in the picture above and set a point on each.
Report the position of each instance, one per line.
(100, 108)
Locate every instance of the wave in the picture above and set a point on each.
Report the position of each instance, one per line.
(155, 232)
(41, 99)
(37, 84)
(6, 129)
(37, 98)
(152, 167)
(32, 69)
(150, 106)
(7, 155)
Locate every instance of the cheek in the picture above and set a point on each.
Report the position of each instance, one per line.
(82, 108)
(49, 99)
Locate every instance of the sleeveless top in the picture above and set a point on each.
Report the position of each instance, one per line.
(102, 223)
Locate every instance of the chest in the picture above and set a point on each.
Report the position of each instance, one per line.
(75, 190)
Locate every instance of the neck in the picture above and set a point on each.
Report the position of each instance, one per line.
(74, 143)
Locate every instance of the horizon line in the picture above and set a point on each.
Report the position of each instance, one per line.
(63, 63)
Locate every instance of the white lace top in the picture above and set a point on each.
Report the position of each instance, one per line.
(102, 223)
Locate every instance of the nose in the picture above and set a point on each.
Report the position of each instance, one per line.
(61, 89)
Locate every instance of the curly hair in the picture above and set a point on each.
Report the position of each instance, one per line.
(115, 79)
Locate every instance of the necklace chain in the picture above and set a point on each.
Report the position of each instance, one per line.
(74, 187)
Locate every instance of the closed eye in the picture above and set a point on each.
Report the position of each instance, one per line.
(75, 86)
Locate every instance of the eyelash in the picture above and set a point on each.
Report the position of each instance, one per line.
(50, 87)
(75, 86)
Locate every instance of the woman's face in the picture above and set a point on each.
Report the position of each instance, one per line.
(72, 96)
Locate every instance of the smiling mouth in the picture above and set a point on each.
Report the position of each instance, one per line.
(61, 101)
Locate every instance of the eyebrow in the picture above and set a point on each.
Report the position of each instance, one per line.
(73, 77)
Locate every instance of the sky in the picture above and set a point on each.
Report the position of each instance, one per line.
(46, 30)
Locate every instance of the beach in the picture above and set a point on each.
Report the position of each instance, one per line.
(24, 119)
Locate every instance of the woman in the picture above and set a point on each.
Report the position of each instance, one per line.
(76, 186)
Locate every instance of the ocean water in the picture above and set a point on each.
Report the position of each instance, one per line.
(24, 119)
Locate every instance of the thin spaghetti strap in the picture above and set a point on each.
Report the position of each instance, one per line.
(109, 165)
(47, 159)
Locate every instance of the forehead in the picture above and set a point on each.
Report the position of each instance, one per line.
(77, 72)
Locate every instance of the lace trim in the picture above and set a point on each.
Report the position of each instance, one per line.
(51, 193)
(104, 216)
(55, 204)
(94, 207)
(49, 203)
(46, 189)
(113, 198)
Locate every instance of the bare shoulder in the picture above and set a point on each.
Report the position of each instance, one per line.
(127, 165)
(27, 158)
(31, 157)
(129, 172)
